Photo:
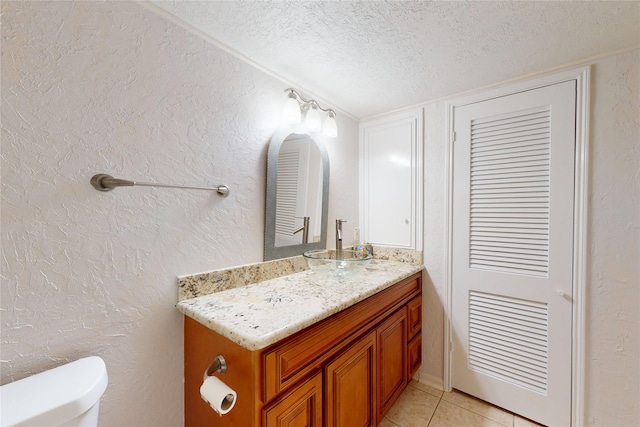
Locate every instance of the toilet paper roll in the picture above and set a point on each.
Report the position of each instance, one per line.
(220, 396)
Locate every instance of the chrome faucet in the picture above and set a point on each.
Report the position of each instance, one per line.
(339, 238)
(304, 229)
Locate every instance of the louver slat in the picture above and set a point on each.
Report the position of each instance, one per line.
(497, 238)
(508, 144)
(508, 339)
(516, 360)
(287, 192)
(509, 198)
(507, 162)
(532, 359)
(506, 124)
(542, 114)
(500, 340)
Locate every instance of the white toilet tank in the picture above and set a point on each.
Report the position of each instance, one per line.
(66, 396)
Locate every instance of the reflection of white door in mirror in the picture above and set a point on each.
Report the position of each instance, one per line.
(297, 187)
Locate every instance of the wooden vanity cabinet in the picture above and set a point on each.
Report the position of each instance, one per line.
(344, 371)
(201, 346)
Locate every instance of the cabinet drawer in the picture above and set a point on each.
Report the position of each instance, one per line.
(302, 407)
(294, 358)
(414, 315)
(414, 355)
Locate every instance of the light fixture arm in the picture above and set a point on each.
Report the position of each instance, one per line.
(308, 103)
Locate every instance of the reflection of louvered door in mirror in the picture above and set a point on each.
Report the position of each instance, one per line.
(292, 191)
(512, 251)
(286, 196)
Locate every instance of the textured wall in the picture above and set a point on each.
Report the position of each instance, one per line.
(435, 224)
(111, 87)
(613, 272)
(613, 300)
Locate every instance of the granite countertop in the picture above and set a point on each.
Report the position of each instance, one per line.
(258, 315)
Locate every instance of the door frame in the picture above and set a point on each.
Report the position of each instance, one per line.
(581, 182)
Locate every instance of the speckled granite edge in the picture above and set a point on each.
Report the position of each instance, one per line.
(260, 314)
(398, 254)
(197, 285)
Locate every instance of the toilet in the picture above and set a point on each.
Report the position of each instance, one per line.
(66, 396)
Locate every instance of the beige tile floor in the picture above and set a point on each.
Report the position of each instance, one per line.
(422, 406)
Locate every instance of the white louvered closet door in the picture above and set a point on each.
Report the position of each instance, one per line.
(512, 269)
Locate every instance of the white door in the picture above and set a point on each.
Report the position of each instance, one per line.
(513, 190)
(391, 181)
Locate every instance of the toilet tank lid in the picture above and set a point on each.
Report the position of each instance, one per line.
(55, 396)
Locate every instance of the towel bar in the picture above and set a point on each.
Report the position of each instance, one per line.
(104, 182)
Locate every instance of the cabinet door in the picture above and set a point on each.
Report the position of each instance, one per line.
(301, 408)
(414, 354)
(391, 175)
(392, 360)
(350, 379)
(414, 315)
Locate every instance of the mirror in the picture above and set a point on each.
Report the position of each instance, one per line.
(297, 195)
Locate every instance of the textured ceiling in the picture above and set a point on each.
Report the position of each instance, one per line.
(372, 57)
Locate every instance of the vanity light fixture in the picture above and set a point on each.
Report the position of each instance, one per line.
(296, 106)
(312, 120)
(291, 109)
(330, 128)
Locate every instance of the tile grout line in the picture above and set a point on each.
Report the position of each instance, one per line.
(483, 415)
(434, 411)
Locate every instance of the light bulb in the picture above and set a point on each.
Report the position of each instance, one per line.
(312, 120)
(330, 128)
(291, 110)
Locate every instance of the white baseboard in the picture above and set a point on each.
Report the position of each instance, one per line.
(430, 380)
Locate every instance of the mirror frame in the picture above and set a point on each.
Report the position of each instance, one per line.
(271, 251)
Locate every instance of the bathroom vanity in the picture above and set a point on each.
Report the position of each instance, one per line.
(304, 351)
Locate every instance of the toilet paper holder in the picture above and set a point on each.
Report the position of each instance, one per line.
(218, 365)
